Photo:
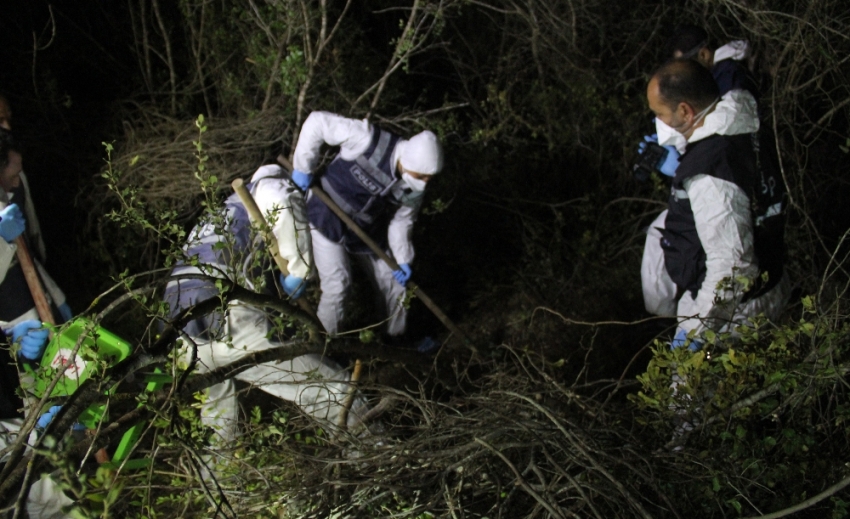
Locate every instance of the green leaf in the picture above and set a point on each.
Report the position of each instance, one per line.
(734, 503)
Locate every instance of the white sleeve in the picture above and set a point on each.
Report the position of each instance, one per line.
(351, 135)
(284, 208)
(724, 226)
(400, 232)
(7, 254)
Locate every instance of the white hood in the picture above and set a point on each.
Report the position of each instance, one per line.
(736, 113)
(737, 50)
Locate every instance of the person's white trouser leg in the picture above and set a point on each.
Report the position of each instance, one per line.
(220, 411)
(659, 291)
(770, 303)
(334, 269)
(389, 294)
(314, 383)
(726, 319)
(317, 385)
(46, 499)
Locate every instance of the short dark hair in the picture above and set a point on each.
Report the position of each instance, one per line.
(687, 39)
(7, 144)
(685, 80)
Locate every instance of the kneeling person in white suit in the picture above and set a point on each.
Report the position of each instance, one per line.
(228, 249)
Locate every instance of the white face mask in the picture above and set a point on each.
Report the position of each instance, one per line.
(669, 136)
(413, 183)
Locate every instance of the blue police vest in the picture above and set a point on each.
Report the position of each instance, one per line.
(749, 161)
(366, 190)
(226, 244)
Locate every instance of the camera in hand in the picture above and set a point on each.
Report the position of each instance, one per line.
(648, 161)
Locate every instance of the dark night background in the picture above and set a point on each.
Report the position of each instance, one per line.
(62, 86)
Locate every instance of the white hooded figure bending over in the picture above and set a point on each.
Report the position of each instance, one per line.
(226, 247)
(378, 179)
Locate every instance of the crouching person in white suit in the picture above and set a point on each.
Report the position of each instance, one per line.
(725, 218)
(227, 248)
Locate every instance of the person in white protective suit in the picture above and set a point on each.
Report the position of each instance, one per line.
(378, 179)
(725, 216)
(45, 499)
(227, 249)
(16, 301)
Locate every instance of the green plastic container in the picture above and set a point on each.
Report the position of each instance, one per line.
(98, 350)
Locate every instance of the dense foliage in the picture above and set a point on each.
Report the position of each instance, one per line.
(531, 241)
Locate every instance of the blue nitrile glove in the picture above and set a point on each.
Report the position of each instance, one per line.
(670, 163)
(45, 419)
(32, 337)
(681, 338)
(65, 312)
(12, 222)
(647, 138)
(402, 275)
(293, 285)
(301, 179)
(427, 345)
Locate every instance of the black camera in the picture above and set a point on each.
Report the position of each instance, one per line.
(648, 161)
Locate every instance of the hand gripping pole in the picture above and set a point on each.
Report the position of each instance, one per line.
(271, 242)
(417, 291)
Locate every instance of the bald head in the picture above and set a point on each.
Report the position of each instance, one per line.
(685, 81)
(680, 94)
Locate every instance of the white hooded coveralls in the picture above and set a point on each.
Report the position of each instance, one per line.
(36, 242)
(46, 499)
(332, 260)
(317, 384)
(725, 228)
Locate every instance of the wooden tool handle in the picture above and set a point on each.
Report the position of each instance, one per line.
(348, 221)
(260, 221)
(33, 282)
(268, 236)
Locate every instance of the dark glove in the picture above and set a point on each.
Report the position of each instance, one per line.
(293, 285)
(681, 339)
(670, 163)
(301, 179)
(31, 336)
(402, 275)
(427, 345)
(12, 222)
